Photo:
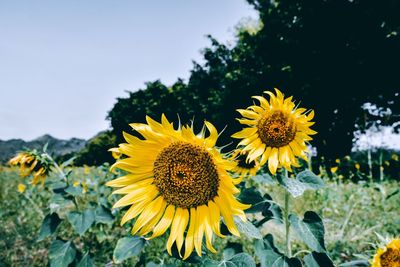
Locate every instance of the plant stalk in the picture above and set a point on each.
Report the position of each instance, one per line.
(287, 223)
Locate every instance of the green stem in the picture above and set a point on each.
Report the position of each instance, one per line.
(287, 223)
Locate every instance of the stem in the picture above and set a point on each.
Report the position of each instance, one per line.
(370, 164)
(287, 223)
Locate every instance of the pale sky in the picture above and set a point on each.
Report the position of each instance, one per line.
(63, 63)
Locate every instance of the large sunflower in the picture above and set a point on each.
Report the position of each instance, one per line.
(176, 180)
(388, 256)
(277, 131)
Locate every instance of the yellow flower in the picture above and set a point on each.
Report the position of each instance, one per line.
(334, 169)
(395, 157)
(31, 163)
(21, 188)
(357, 165)
(116, 154)
(337, 161)
(387, 163)
(277, 131)
(244, 167)
(388, 256)
(176, 180)
(86, 169)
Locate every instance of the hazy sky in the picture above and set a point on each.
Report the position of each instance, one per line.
(63, 63)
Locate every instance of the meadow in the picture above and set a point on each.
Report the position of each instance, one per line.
(354, 214)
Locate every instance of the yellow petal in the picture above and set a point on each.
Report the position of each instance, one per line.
(136, 195)
(182, 227)
(190, 234)
(208, 229)
(147, 214)
(212, 139)
(174, 229)
(135, 210)
(199, 230)
(227, 214)
(165, 222)
(215, 218)
(246, 132)
(273, 161)
(129, 179)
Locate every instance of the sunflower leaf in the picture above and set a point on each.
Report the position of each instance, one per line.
(127, 247)
(86, 261)
(355, 263)
(238, 260)
(305, 180)
(81, 221)
(247, 228)
(316, 259)
(61, 253)
(103, 215)
(311, 230)
(49, 226)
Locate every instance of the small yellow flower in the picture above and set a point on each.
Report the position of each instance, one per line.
(276, 131)
(76, 184)
(86, 169)
(337, 161)
(387, 163)
(21, 188)
(395, 157)
(388, 256)
(334, 169)
(357, 165)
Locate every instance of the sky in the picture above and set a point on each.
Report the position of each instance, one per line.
(64, 63)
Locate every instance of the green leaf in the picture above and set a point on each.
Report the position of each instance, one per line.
(284, 261)
(58, 203)
(316, 259)
(247, 228)
(103, 215)
(238, 260)
(81, 221)
(356, 263)
(74, 190)
(127, 247)
(264, 179)
(252, 196)
(68, 162)
(305, 180)
(268, 257)
(311, 230)
(61, 253)
(86, 261)
(49, 226)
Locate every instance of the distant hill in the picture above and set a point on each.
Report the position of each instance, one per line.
(56, 147)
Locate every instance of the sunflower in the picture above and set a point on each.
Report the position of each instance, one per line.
(243, 167)
(388, 256)
(30, 162)
(179, 181)
(277, 131)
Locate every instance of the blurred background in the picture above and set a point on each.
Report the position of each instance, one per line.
(74, 74)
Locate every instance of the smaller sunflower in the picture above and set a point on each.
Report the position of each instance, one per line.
(244, 167)
(32, 163)
(388, 256)
(276, 132)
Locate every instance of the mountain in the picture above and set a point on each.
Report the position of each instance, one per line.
(56, 147)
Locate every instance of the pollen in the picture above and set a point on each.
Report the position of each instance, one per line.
(276, 129)
(390, 258)
(186, 175)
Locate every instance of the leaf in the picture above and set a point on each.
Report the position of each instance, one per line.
(81, 221)
(86, 261)
(103, 215)
(305, 180)
(74, 190)
(247, 228)
(252, 196)
(61, 253)
(316, 259)
(68, 162)
(264, 179)
(356, 263)
(49, 226)
(238, 260)
(127, 247)
(266, 251)
(284, 261)
(311, 230)
(58, 203)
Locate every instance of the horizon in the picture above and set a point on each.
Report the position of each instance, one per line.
(81, 56)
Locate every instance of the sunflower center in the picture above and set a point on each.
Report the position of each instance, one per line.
(276, 129)
(185, 175)
(241, 160)
(391, 258)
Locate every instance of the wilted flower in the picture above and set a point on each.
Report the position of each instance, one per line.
(31, 162)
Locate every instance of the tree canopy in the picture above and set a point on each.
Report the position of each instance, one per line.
(331, 55)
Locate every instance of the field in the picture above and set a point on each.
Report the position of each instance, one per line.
(353, 215)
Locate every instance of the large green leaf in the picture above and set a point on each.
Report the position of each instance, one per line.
(103, 215)
(355, 263)
(247, 228)
(86, 261)
(81, 221)
(127, 247)
(238, 260)
(252, 196)
(311, 230)
(49, 226)
(61, 253)
(59, 204)
(74, 190)
(305, 180)
(316, 259)
(283, 261)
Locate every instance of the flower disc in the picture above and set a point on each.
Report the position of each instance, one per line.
(388, 256)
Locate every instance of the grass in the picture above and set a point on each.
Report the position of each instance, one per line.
(352, 214)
